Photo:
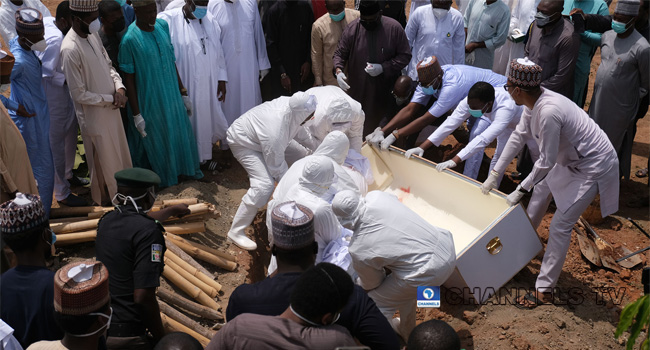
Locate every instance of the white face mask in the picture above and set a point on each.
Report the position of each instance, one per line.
(40, 45)
(94, 26)
(4, 87)
(440, 13)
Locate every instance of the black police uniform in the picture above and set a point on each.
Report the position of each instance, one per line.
(132, 247)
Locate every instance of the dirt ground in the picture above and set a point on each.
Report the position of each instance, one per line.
(580, 320)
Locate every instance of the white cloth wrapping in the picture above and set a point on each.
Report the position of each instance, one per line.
(63, 120)
(337, 252)
(429, 36)
(331, 109)
(7, 339)
(503, 118)
(244, 47)
(575, 153)
(201, 65)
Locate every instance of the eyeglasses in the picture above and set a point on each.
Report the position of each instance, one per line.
(507, 88)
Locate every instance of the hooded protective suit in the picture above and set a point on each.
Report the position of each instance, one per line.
(387, 234)
(337, 111)
(334, 148)
(317, 177)
(258, 139)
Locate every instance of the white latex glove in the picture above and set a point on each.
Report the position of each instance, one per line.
(388, 141)
(376, 137)
(374, 69)
(140, 124)
(341, 79)
(490, 183)
(264, 73)
(514, 197)
(445, 165)
(470, 58)
(417, 151)
(188, 104)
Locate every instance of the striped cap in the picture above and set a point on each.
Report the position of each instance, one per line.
(21, 214)
(29, 21)
(428, 69)
(84, 5)
(292, 226)
(81, 288)
(524, 73)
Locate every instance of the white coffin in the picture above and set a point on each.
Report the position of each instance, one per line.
(493, 240)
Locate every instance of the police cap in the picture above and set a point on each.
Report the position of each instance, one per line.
(137, 177)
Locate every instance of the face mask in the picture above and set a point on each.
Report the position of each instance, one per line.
(106, 326)
(542, 20)
(338, 17)
(477, 113)
(401, 100)
(94, 26)
(41, 45)
(619, 27)
(120, 198)
(428, 90)
(200, 12)
(440, 13)
(119, 25)
(371, 25)
(4, 87)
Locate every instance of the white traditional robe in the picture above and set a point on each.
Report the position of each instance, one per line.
(429, 36)
(244, 47)
(8, 20)
(201, 65)
(93, 81)
(522, 14)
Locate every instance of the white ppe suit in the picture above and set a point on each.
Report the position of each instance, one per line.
(387, 234)
(576, 162)
(259, 139)
(336, 110)
(311, 190)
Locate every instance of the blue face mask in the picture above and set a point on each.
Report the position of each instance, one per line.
(428, 90)
(477, 113)
(200, 12)
(619, 27)
(338, 17)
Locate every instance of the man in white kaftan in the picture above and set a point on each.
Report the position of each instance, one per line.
(522, 14)
(7, 19)
(97, 91)
(244, 47)
(434, 32)
(201, 65)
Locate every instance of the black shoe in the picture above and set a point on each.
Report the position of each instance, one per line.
(74, 201)
(78, 181)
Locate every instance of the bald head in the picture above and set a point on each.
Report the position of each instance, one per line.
(403, 86)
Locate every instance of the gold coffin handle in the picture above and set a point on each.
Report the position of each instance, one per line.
(494, 246)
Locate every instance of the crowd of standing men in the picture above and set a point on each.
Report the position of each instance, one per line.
(289, 89)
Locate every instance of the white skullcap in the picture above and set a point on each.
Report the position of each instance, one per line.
(335, 145)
